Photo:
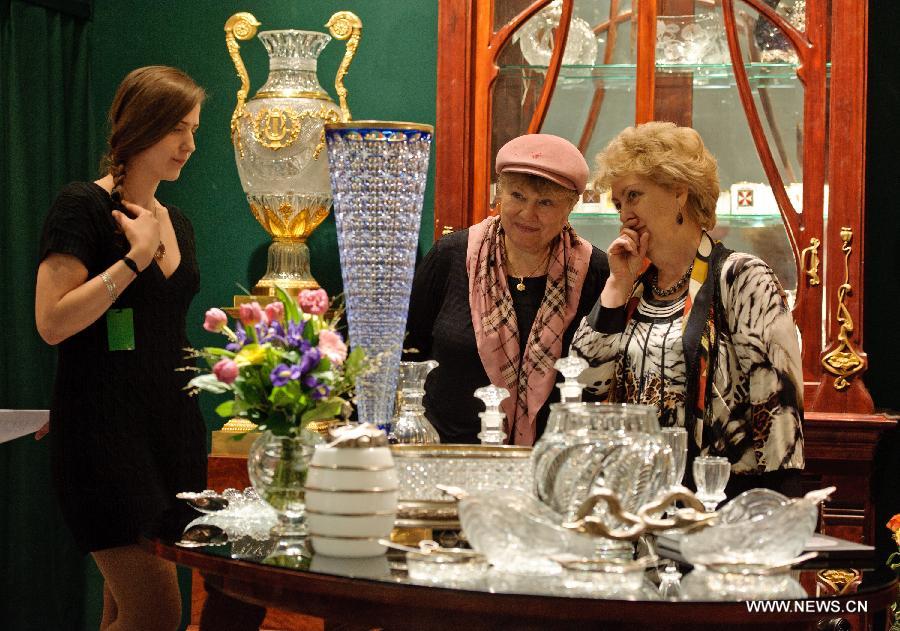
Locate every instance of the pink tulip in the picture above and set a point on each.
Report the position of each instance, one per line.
(251, 314)
(313, 301)
(215, 320)
(332, 346)
(275, 311)
(226, 370)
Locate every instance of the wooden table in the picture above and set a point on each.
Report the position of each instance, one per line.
(395, 604)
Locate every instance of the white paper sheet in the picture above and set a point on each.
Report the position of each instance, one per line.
(17, 423)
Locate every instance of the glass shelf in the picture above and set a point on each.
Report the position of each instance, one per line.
(768, 75)
(762, 235)
(745, 221)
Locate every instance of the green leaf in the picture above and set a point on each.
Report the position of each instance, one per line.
(209, 383)
(225, 409)
(291, 310)
(218, 352)
(329, 409)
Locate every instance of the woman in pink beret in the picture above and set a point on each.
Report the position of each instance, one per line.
(500, 301)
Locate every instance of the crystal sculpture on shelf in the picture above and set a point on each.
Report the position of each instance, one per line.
(537, 38)
(492, 418)
(378, 172)
(279, 143)
(410, 426)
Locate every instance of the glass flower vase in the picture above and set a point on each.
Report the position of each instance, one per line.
(277, 467)
(378, 172)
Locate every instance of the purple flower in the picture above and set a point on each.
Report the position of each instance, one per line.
(282, 373)
(272, 333)
(309, 360)
(241, 336)
(295, 334)
(319, 389)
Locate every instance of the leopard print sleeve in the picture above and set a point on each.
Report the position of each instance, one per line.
(767, 366)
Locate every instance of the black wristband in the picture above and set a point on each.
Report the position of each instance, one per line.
(131, 265)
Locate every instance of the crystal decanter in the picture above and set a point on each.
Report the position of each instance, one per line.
(410, 426)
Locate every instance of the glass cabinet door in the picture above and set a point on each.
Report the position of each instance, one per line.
(625, 62)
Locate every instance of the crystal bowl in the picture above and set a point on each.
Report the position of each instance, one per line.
(517, 533)
(758, 528)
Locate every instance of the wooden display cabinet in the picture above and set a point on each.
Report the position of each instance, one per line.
(777, 89)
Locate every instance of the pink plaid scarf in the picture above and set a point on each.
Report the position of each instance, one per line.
(529, 380)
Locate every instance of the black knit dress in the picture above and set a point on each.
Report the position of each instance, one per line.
(125, 436)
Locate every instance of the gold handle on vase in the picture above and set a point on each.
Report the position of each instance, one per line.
(345, 25)
(240, 26)
(812, 271)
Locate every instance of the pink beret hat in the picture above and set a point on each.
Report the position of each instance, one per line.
(547, 156)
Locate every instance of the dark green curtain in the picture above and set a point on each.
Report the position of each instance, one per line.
(46, 140)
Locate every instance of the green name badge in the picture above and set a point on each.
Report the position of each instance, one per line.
(120, 329)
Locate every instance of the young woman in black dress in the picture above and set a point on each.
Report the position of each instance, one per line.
(118, 271)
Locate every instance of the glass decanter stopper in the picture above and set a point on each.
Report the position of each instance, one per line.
(570, 389)
(492, 418)
(670, 582)
(410, 426)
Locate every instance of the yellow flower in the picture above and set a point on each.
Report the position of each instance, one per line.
(250, 355)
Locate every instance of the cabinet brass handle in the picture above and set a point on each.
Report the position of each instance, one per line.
(812, 271)
(844, 361)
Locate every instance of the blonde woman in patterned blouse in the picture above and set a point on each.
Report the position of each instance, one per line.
(686, 325)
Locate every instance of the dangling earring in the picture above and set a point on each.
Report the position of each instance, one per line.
(679, 218)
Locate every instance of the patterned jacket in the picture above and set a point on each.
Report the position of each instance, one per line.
(751, 410)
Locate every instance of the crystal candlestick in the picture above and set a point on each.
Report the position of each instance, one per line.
(492, 418)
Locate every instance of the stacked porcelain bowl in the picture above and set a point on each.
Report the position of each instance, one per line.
(351, 493)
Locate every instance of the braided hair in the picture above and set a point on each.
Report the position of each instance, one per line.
(148, 104)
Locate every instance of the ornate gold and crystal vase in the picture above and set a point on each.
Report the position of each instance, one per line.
(279, 142)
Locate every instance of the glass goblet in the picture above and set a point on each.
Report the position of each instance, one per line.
(676, 439)
(711, 475)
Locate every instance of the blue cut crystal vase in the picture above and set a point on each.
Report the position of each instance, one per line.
(378, 172)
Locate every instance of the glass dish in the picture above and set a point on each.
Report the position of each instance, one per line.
(472, 468)
(518, 534)
(447, 567)
(758, 528)
(726, 586)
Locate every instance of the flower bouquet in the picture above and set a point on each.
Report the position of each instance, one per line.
(286, 366)
(893, 562)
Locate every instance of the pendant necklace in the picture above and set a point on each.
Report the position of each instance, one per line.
(520, 286)
(160, 253)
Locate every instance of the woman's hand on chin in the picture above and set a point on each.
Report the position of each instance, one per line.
(626, 256)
